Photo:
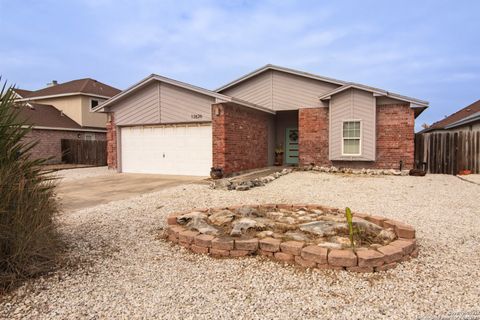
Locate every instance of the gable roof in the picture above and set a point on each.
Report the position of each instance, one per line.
(85, 86)
(417, 103)
(281, 69)
(156, 77)
(456, 118)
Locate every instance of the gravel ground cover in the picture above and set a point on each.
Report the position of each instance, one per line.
(122, 269)
(82, 173)
(473, 178)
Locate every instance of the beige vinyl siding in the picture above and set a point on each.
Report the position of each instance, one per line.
(139, 108)
(256, 90)
(160, 102)
(92, 119)
(182, 105)
(281, 91)
(292, 92)
(357, 105)
(70, 105)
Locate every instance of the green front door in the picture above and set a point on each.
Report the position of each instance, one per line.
(291, 146)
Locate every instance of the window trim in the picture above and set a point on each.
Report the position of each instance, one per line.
(93, 99)
(360, 138)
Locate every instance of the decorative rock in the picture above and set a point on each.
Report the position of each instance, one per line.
(297, 236)
(246, 211)
(221, 217)
(342, 258)
(185, 218)
(369, 258)
(249, 245)
(264, 234)
(242, 188)
(242, 225)
(269, 244)
(386, 236)
(292, 247)
(315, 254)
(222, 244)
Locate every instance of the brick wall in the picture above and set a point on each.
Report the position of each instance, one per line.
(49, 142)
(240, 137)
(394, 142)
(111, 143)
(313, 136)
(395, 136)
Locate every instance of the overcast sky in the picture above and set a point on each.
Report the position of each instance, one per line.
(425, 49)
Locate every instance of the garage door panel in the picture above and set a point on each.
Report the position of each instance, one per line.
(179, 150)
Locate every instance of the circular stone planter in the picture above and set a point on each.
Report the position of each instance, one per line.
(312, 236)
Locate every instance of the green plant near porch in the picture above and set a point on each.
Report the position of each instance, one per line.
(29, 241)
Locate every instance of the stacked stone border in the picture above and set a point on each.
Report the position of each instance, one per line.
(231, 184)
(297, 252)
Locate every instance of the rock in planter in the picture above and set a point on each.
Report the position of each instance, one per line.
(242, 225)
(221, 217)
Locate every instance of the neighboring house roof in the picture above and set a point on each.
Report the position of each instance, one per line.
(22, 92)
(282, 69)
(44, 116)
(468, 113)
(155, 77)
(470, 119)
(85, 86)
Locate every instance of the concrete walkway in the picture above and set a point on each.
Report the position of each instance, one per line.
(92, 191)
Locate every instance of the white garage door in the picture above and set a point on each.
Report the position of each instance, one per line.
(179, 150)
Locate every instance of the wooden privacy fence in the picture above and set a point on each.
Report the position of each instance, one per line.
(92, 152)
(448, 152)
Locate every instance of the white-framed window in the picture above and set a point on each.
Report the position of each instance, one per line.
(352, 138)
(94, 103)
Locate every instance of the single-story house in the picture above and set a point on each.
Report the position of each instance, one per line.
(161, 125)
(48, 127)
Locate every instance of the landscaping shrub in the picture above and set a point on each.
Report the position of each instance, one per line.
(29, 242)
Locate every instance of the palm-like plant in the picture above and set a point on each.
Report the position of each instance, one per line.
(28, 237)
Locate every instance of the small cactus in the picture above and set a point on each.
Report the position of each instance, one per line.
(348, 215)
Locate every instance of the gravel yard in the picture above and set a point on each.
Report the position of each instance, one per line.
(125, 271)
(82, 173)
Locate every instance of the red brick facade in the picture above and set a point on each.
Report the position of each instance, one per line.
(49, 142)
(111, 142)
(394, 142)
(240, 137)
(313, 136)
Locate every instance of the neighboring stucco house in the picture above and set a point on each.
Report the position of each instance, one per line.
(161, 125)
(466, 119)
(63, 111)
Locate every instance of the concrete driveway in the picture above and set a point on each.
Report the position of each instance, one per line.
(92, 191)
